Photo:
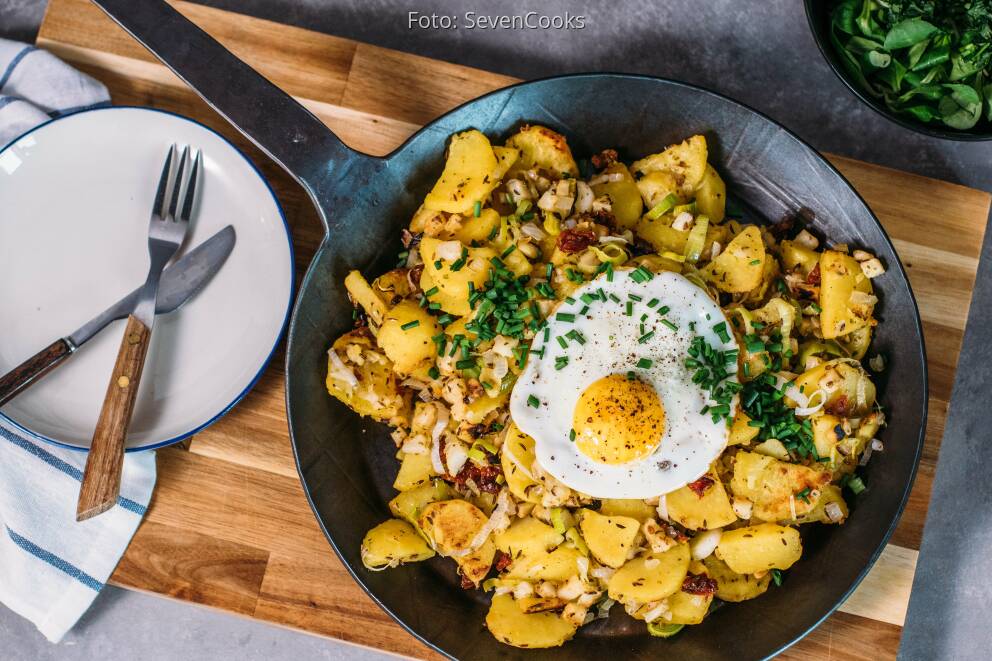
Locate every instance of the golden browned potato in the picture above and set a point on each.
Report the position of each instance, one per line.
(452, 276)
(797, 256)
(773, 485)
(627, 507)
(362, 294)
(369, 388)
(468, 174)
(451, 524)
(740, 267)
(476, 564)
(759, 548)
(703, 508)
(655, 187)
(624, 195)
(609, 538)
(651, 577)
(686, 160)
(741, 433)
(711, 195)
(510, 625)
(416, 470)
(734, 587)
(477, 229)
(405, 336)
(850, 392)
(393, 543)
(845, 295)
(540, 147)
(409, 504)
(527, 536)
(516, 458)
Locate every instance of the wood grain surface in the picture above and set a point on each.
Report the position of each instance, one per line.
(101, 483)
(229, 526)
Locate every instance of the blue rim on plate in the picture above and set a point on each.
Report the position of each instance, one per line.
(289, 299)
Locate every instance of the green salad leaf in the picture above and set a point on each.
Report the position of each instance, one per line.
(930, 60)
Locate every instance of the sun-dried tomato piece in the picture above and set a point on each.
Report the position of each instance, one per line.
(485, 477)
(838, 407)
(814, 276)
(605, 158)
(700, 486)
(575, 240)
(502, 560)
(467, 583)
(699, 584)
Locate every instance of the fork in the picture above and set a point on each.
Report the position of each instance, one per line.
(173, 206)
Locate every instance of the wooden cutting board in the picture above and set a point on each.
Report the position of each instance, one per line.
(229, 526)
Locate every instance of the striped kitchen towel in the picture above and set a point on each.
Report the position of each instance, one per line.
(36, 86)
(51, 568)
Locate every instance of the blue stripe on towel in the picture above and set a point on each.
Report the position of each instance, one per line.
(13, 64)
(69, 111)
(55, 561)
(66, 468)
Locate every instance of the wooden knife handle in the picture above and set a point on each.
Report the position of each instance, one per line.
(32, 369)
(102, 477)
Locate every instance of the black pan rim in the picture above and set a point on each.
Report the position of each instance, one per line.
(925, 392)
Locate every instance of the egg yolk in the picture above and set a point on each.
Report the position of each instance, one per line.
(618, 420)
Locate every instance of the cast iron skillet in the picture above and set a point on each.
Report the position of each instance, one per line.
(347, 464)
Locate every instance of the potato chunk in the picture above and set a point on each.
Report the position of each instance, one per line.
(451, 524)
(510, 625)
(711, 195)
(540, 147)
(393, 543)
(468, 174)
(741, 265)
(609, 538)
(701, 512)
(846, 297)
(363, 295)
(686, 608)
(772, 485)
(369, 388)
(626, 507)
(409, 504)
(850, 392)
(759, 548)
(732, 586)
(527, 536)
(405, 336)
(452, 276)
(517, 451)
(686, 160)
(624, 195)
(415, 470)
(651, 577)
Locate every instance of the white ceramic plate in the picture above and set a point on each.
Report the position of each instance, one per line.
(75, 196)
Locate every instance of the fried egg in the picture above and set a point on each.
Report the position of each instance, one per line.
(606, 393)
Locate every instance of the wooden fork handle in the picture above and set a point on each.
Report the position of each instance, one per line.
(102, 477)
(32, 369)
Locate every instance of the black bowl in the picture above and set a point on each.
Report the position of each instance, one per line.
(347, 463)
(818, 15)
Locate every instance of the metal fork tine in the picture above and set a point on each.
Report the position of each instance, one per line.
(189, 197)
(165, 182)
(177, 190)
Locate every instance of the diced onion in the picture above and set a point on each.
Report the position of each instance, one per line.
(662, 508)
(607, 177)
(604, 574)
(518, 190)
(865, 456)
(522, 590)
(807, 240)
(809, 408)
(533, 231)
(448, 250)
(613, 239)
(340, 371)
(656, 612)
(862, 298)
(703, 544)
(742, 508)
(582, 564)
(436, 432)
(682, 222)
(877, 445)
(833, 512)
(792, 507)
(583, 197)
(455, 455)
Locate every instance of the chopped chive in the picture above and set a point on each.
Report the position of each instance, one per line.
(721, 330)
(571, 435)
(653, 302)
(614, 298)
(477, 209)
(664, 309)
(644, 363)
(670, 325)
(560, 362)
(644, 338)
(755, 262)
(410, 324)
(635, 297)
(565, 316)
(431, 291)
(506, 253)
(438, 264)
(630, 309)
(533, 401)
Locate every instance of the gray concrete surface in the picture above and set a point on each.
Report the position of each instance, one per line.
(758, 52)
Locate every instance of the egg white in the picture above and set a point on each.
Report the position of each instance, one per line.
(690, 442)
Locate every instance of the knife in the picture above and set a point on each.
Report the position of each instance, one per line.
(180, 282)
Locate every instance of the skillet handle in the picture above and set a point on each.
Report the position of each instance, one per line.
(282, 128)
